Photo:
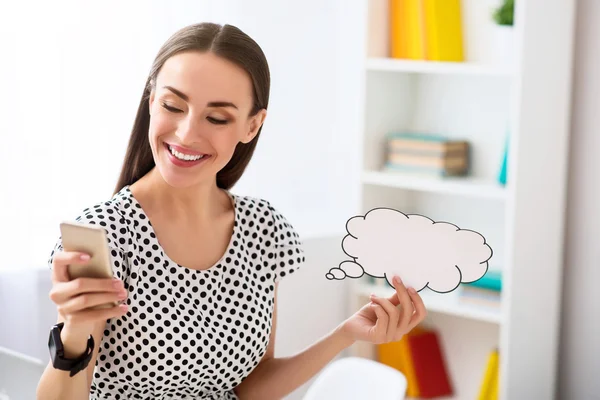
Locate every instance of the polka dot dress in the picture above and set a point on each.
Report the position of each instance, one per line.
(189, 334)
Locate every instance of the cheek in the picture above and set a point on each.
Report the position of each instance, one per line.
(159, 126)
(226, 141)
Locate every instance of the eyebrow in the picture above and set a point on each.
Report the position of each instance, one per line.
(210, 104)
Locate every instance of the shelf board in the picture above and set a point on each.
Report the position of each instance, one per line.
(464, 186)
(446, 303)
(436, 67)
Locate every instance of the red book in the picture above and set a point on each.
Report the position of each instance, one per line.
(429, 365)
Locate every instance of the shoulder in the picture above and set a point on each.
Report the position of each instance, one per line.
(113, 214)
(271, 221)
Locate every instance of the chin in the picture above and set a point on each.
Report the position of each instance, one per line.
(178, 179)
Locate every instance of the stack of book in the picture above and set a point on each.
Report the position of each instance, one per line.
(419, 356)
(430, 154)
(486, 291)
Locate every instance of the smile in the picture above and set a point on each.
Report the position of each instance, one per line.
(181, 158)
(184, 157)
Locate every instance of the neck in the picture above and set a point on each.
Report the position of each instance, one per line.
(201, 202)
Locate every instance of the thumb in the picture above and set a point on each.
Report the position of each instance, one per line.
(60, 273)
(61, 262)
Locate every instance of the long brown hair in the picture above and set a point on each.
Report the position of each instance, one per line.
(226, 41)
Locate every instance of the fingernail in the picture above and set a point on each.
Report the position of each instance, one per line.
(84, 257)
(117, 284)
(412, 290)
(122, 295)
(123, 307)
(397, 280)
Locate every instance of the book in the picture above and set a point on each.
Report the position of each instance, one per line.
(407, 40)
(397, 355)
(426, 30)
(491, 280)
(427, 153)
(429, 365)
(480, 297)
(504, 165)
(443, 30)
(425, 143)
(378, 44)
(456, 163)
(489, 385)
(419, 356)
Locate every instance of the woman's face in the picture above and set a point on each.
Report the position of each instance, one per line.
(199, 112)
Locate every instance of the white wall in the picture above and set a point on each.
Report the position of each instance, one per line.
(77, 70)
(580, 348)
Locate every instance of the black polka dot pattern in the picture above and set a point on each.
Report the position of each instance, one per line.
(189, 334)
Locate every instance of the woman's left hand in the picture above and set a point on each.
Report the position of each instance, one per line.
(382, 321)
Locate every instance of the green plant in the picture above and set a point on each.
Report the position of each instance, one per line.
(504, 15)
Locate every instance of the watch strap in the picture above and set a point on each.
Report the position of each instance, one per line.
(58, 357)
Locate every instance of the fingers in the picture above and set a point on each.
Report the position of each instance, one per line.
(63, 291)
(392, 314)
(420, 310)
(381, 325)
(89, 316)
(62, 259)
(393, 322)
(406, 304)
(82, 302)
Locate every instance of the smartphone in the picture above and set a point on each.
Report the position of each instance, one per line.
(92, 240)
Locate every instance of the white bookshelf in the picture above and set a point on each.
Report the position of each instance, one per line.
(448, 304)
(436, 67)
(484, 101)
(463, 186)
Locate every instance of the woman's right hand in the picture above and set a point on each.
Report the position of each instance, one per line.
(75, 298)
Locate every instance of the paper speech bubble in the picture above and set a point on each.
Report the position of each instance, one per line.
(423, 253)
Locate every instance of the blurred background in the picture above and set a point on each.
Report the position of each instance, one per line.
(471, 112)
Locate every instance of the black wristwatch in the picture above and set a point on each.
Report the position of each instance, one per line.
(57, 353)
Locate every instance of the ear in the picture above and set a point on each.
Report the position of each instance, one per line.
(151, 100)
(254, 125)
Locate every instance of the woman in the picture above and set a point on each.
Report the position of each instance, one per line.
(196, 267)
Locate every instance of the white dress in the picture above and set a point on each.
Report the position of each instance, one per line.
(189, 334)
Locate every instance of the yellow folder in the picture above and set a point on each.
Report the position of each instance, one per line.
(397, 355)
(407, 39)
(443, 30)
(489, 385)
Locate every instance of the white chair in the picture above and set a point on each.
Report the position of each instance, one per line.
(354, 378)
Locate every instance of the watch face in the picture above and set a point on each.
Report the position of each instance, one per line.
(54, 343)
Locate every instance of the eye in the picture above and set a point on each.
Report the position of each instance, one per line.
(171, 109)
(217, 121)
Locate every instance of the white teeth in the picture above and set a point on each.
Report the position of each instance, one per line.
(184, 157)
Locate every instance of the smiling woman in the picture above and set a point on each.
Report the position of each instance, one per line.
(228, 78)
(197, 267)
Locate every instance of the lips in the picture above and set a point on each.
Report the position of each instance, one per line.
(184, 150)
(183, 157)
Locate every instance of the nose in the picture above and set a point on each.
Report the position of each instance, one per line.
(188, 131)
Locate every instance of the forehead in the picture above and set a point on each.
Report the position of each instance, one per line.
(206, 77)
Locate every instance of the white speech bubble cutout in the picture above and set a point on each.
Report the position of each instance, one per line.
(423, 253)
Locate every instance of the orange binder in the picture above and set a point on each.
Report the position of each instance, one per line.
(407, 29)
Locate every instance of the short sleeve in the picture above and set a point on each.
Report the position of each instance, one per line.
(107, 216)
(285, 252)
